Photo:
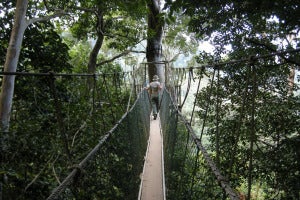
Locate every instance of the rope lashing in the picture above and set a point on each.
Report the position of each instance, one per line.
(207, 103)
(59, 116)
(188, 86)
(197, 93)
(252, 130)
(221, 179)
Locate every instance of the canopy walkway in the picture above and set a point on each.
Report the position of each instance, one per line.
(152, 180)
(136, 157)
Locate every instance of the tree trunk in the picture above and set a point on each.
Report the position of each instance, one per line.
(93, 56)
(94, 53)
(11, 62)
(291, 79)
(154, 41)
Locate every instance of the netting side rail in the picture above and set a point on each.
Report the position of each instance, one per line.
(117, 156)
(190, 171)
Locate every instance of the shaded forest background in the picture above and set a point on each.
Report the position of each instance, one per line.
(253, 123)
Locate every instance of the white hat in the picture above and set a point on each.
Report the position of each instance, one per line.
(155, 78)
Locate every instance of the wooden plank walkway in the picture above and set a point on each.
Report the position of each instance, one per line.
(152, 185)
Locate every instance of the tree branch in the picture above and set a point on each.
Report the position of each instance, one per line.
(54, 172)
(47, 18)
(124, 53)
(38, 175)
(134, 51)
(268, 47)
(85, 9)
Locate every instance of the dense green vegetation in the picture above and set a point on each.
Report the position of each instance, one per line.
(253, 110)
(57, 120)
(250, 108)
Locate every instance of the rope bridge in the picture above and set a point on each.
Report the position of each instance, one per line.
(122, 147)
(246, 112)
(66, 141)
(57, 119)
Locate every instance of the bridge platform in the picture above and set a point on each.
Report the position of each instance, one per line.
(152, 178)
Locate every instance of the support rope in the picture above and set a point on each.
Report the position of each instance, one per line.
(207, 104)
(188, 86)
(197, 93)
(218, 119)
(252, 133)
(194, 171)
(93, 104)
(58, 108)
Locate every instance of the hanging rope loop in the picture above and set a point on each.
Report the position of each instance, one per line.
(190, 78)
(197, 93)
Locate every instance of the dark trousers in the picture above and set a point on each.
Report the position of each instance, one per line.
(155, 104)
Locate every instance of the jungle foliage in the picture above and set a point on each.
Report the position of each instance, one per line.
(253, 119)
(57, 120)
(253, 106)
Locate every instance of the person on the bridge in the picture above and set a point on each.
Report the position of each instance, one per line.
(154, 88)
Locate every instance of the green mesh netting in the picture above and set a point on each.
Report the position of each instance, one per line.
(188, 174)
(113, 167)
(57, 120)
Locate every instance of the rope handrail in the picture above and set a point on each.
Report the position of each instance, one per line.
(220, 178)
(62, 74)
(244, 60)
(72, 175)
(157, 62)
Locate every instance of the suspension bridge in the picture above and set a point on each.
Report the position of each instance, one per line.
(137, 157)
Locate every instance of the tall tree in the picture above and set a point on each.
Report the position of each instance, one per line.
(154, 40)
(12, 58)
(11, 63)
(117, 27)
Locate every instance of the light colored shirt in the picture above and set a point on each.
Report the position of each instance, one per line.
(154, 88)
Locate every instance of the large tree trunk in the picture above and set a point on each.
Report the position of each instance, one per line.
(291, 80)
(154, 41)
(11, 62)
(93, 56)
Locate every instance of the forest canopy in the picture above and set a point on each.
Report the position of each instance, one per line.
(247, 113)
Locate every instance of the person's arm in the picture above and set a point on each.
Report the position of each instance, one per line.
(160, 86)
(148, 88)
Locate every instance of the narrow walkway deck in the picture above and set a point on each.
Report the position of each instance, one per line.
(152, 179)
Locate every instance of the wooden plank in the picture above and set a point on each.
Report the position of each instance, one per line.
(152, 177)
